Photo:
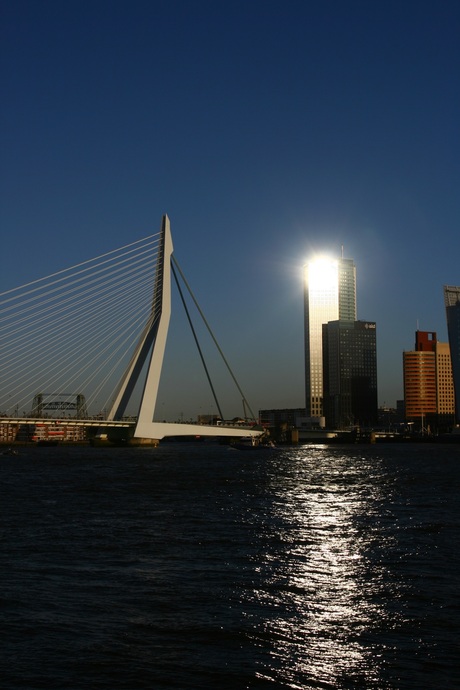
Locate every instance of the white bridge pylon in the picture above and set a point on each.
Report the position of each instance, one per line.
(151, 344)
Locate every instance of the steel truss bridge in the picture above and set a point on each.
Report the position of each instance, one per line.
(100, 327)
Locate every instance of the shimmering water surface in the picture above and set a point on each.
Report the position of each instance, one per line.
(197, 566)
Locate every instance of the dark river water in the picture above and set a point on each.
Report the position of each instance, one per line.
(195, 566)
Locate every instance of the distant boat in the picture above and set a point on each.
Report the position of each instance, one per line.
(253, 443)
(9, 452)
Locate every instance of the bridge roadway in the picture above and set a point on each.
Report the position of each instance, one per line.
(69, 421)
(156, 430)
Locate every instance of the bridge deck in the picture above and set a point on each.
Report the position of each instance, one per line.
(157, 430)
(69, 421)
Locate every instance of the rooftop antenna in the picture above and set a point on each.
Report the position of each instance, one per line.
(342, 251)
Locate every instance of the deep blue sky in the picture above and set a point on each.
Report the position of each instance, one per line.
(266, 130)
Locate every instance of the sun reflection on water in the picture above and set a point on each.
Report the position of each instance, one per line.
(319, 581)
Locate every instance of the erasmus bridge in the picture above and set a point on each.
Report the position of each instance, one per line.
(100, 328)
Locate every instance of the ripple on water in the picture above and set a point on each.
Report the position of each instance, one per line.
(198, 567)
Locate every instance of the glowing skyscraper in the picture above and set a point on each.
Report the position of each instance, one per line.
(330, 295)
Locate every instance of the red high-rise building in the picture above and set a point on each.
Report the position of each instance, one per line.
(428, 381)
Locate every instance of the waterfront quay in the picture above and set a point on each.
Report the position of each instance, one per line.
(36, 430)
(96, 431)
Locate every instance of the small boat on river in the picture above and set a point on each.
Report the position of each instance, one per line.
(252, 443)
(9, 452)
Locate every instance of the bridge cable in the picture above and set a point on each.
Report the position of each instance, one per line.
(213, 337)
(69, 319)
(197, 343)
(66, 270)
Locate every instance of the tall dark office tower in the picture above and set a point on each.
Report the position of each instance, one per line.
(350, 373)
(330, 294)
(452, 302)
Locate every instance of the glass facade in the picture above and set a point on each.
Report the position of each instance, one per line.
(350, 374)
(452, 303)
(330, 294)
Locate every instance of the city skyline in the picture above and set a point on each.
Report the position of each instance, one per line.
(333, 286)
(269, 132)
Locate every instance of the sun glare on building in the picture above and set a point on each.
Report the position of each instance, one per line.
(322, 273)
